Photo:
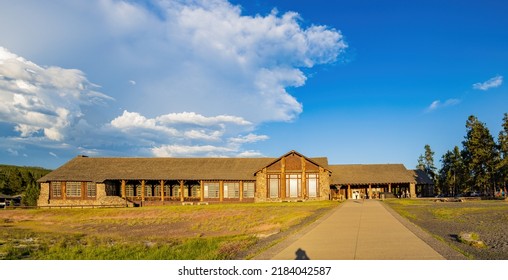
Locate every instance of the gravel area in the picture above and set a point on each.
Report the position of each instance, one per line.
(446, 220)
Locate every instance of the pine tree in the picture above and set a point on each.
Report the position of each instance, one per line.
(503, 152)
(31, 195)
(430, 168)
(479, 154)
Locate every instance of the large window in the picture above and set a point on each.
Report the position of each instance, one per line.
(231, 190)
(56, 189)
(312, 184)
(248, 189)
(176, 190)
(91, 189)
(293, 185)
(273, 185)
(211, 190)
(73, 189)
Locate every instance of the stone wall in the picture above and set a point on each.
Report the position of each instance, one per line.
(261, 188)
(44, 195)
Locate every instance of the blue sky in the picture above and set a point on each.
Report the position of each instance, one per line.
(356, 81)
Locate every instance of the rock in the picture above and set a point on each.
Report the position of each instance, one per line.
(472, 239)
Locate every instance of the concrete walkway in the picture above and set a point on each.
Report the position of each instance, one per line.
(356, 230)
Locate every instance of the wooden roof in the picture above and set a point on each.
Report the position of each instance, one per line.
(364, 174)
(421, 177)
(101, 169)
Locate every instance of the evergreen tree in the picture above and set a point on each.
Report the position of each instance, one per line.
(503, 152)
(421, 163)
(479, 154)
(452, 174)
(31, 195)
(430, 168)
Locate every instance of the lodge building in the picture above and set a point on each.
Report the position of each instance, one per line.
(156, 181)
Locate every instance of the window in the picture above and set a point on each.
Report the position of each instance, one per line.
(211, 190)
(148, 190)
(112, 189)
(312, 184)
(129, 190)
(196, 191)
(248, 189)
(176, 190)
(273, 185)
(138, 190)
(73, 189)
(91, 189)
(157, 191)
(231, 190)
(293, 185)
(56, 189)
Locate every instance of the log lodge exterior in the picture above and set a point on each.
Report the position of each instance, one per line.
(90, 181)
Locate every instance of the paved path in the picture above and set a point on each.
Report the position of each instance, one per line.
(357, 230)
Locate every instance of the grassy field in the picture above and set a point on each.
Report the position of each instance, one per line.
(485, 220)
(219, 231)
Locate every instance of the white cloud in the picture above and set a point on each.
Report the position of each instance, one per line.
(183, 150)
(205, 75)
(438, 104)
(249, 138)
(42, 99)
(490, 83)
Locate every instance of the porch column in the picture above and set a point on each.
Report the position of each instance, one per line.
(304, 179)
(370, 191)
(348, 191)
(64, 190)
(124, 194)
(202, 192)
(241, 190)
(283, 178)
(390, 187)
(142, 190)
(181, 191)
(162, 190)
(412, 190)
(221, 190)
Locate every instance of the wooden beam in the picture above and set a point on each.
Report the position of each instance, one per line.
(349, 191)
(304, 179)
(390, 187)
(202, 192)
(124, 194)
(162, 191)
(221, 190)
(142, 190)
(370, 191)
(241, 191)
(282, 192)
(181, 191)
(64, 190)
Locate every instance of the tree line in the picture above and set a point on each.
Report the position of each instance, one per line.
(21, 180)
(481, 165)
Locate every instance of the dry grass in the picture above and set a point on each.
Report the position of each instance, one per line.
(221, 230)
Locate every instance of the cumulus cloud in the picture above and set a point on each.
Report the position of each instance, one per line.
(42, 99)
(438, 104)
(200, 73)
(490, 83)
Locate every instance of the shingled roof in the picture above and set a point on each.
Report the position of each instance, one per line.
(364, 174)
(101, 169)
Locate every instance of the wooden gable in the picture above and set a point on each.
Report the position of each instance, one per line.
(293, 162)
